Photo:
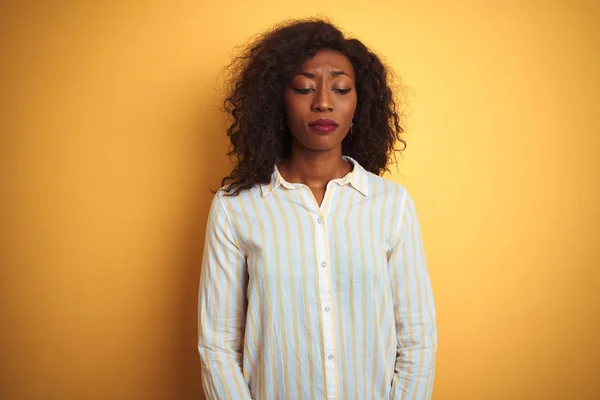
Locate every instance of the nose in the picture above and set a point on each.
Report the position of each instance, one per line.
(322, 101)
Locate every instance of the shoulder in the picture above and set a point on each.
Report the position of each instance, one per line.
(379, 185)
(401, 199)
(224, 199)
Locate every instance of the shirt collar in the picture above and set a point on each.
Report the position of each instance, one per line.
(358, 178)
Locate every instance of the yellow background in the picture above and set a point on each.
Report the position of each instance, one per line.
(111, 139)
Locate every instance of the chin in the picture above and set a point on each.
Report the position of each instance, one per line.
(322, 144)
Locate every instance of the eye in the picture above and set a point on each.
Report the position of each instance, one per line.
(303, 91)
(341, 91)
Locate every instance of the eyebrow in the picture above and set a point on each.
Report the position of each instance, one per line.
(333, 73)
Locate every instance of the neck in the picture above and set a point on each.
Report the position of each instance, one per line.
(314, 169)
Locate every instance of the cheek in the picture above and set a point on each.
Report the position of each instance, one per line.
(294, 114)
(350, 105)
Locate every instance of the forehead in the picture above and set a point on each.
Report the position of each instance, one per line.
(328, 60)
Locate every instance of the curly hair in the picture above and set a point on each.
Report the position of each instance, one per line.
(255, 101)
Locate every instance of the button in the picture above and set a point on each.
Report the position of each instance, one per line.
(323, 264)
(327, 309)
(330, 357)
(320, 220)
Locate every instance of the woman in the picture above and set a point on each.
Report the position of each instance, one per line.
(314, 282)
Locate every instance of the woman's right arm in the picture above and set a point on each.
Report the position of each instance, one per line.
(222, 309)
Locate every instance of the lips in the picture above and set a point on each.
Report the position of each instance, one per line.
(323, 125)
(323, 122)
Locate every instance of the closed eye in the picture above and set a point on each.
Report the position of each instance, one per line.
(307, 91)
(341, 91)
(302, 91)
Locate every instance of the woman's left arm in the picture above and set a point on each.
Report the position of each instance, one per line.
(414, 310)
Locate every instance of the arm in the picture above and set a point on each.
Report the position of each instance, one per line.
(414, 310)
(221, 318)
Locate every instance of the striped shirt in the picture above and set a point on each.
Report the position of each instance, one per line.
(301, 301)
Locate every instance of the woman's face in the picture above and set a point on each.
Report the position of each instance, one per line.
(320, 101)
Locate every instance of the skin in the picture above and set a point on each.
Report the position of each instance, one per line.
(319, 90)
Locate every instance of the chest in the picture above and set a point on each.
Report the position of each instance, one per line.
(288, 239)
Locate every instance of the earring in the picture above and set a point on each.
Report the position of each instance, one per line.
(351, 127)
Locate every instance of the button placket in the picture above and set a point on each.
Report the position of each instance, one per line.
(325, 300)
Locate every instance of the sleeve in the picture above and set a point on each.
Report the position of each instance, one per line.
(414, 310)
(222, 309)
